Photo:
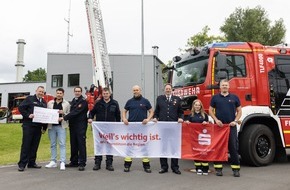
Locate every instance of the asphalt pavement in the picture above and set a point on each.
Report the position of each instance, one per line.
(275, 176)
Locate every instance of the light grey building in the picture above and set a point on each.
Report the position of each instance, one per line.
(68, 70)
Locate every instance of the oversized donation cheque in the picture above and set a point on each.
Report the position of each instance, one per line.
(161, 139)
(45, 115)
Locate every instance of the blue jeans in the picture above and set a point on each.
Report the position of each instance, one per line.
(57, 133)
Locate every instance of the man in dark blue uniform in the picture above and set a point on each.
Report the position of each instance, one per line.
(78, 124)
(225, 108)
(31, 130)
(106, 109)
(168, 108)
(138, 106)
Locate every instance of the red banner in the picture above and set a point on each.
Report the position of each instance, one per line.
(205, 142)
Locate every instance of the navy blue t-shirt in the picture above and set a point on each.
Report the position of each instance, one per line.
(138, 108)
(197, 118)
(225, 107)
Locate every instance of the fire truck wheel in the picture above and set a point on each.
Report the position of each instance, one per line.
(257, 145)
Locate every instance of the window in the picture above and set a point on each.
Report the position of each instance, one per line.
(56, 81)
(279, 82)
(73, 80)
(190, 72)
(235, 67)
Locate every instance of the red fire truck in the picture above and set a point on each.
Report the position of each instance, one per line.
(259, 75)
(15, 114)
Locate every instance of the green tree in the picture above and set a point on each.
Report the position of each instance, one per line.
(202, 38)
(253, 25)
(38, 75)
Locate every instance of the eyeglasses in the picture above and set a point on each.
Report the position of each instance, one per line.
(77, 91)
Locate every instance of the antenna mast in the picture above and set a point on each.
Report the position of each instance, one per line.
(68, 27)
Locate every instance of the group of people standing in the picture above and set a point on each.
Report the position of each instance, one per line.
(72, 115)
(224, 108)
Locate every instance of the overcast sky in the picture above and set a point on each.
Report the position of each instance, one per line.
(167, 24)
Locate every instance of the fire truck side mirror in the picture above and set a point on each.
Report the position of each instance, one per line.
(166, 69)
(221, 61)
(222, 74)
(176, 59)
(221, 64)
(169, 71)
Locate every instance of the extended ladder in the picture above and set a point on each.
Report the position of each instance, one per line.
(101, 65)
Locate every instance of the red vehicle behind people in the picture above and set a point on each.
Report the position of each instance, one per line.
(15, 114)
(259, 75)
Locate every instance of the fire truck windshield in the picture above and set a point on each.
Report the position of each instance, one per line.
(190, 72)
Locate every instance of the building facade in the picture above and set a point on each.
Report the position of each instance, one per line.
(68, 70)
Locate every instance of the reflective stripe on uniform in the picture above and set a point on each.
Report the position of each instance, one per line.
(204, 163)
(128, 159)
(197, 164)
(219, 166)
(235, 166)
(145, 160)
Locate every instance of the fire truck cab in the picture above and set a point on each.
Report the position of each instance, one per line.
(16, 115)
(259, 75)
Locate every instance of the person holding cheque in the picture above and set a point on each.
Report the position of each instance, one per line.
(57, 132)
(31, 130)
(78, 124)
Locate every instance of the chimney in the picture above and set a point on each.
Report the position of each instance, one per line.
(155, 50)
(19, 63)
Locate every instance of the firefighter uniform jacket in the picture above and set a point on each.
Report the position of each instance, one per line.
(78, 123)
(106, 111)
(27, 107)
(31, 131)
(78, 112)
(168, 110)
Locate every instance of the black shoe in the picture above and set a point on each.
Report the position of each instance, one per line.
(97, 167)
(110, 168)
(81, 168)
(35, 166)
(204, 171)
(236, 173)
(176, 171)
(71, 165)
(162, 171)
(21, 169)
(219, 172)
(147, 170)
(127, 169)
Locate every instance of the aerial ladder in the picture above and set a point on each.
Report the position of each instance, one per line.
(102, 76)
